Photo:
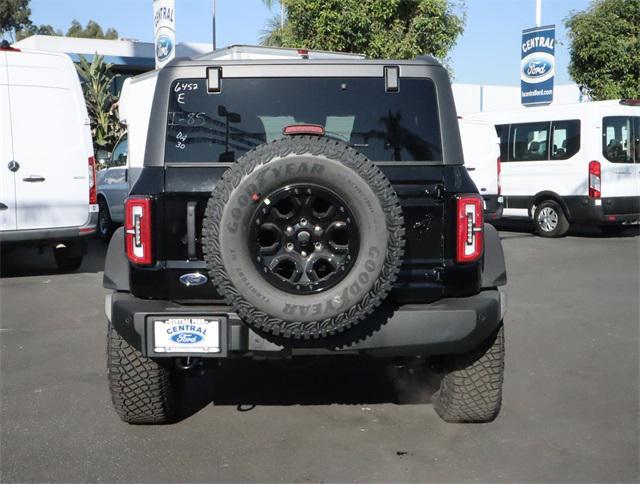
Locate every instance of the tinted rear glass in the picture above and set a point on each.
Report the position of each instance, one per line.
(384, 126)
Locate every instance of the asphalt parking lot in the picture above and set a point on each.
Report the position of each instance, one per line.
(570, 411)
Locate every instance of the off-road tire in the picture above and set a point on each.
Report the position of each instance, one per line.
(562, 226)
(142, 391)
(471, 389)
(339, 162)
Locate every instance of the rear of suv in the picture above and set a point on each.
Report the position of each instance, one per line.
(296, 207)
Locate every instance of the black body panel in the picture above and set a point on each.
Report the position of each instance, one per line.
(426, 194)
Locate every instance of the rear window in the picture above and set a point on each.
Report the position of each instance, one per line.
(384, 126)
(619, 144)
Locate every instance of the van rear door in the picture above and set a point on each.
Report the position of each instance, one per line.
(621, 167)
(49, 141)
(7, 177)
(481, 148)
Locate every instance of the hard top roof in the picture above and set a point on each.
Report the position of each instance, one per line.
(198, 61)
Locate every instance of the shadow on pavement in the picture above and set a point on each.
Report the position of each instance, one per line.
(577, 230)
(29, 261)
(309, 381)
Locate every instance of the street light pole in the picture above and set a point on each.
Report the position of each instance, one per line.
(213, 24)
(538, 13)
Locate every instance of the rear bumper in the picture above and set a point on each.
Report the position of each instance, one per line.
(493, 205)
(452, 325)
(608, 210)
(52, 235)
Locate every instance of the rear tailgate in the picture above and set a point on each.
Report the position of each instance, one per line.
(187, 189)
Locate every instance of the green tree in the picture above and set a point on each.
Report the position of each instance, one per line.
(377, 28)
(271, 35)
(97, 77)
(93, 30)
(37, 30)
(14, 16)
(605, 49)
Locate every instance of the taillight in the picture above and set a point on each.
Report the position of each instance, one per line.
(137, 229)
(470, 226)
(499, 168)
(314, 129)
(595, 180)
(93, 195)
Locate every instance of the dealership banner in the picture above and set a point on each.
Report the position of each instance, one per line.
(537, 65)
(164, 23)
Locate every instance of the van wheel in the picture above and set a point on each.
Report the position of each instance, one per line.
(142, 390)
(550, 220)
(105, 224)
(471, 390)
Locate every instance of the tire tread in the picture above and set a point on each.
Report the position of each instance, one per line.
(471, 390)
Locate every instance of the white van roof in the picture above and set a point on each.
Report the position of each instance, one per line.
(551, 111)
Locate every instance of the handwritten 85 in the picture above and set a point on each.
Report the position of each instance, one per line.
(186, 119)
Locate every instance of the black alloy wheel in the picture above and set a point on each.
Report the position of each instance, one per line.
(303, 238)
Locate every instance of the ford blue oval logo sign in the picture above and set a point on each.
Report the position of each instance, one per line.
(187, 338)
(193, 279)
(164, 47)
(537, 68)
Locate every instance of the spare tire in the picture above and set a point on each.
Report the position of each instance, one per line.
(303, 237)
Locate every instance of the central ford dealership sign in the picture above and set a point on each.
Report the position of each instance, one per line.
(537, 67)
(164, 23)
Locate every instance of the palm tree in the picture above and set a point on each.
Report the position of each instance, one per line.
(271, 35)
(269, 4)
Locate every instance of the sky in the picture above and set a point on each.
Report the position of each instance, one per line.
(488, 52)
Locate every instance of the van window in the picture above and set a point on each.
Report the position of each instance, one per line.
(503, 134)
(529, 142)
(566, 139)
(398, 126)
(616, 139)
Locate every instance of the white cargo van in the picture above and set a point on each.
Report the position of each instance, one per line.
(47, 169)
(571, 163)
(481, 149)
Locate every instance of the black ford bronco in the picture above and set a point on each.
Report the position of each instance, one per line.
(298, 207)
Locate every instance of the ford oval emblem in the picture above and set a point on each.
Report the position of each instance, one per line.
(537, 68)
(193, 279)
(187, 338)
(164, 47)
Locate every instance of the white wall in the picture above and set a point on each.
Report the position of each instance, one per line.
(475, 98)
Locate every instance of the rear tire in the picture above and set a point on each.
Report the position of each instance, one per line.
(471, 390)
(550, 220)
(142, 390)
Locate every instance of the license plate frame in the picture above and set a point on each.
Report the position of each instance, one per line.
(193, 335)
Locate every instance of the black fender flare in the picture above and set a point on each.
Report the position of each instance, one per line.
(494, 270)
(116, 264)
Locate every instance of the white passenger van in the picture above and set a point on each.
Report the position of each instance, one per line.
(47, 169)
(481, 149)
(571, 163)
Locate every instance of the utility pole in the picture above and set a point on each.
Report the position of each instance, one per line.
(281, 14)
(538, 13)
(213, 24)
